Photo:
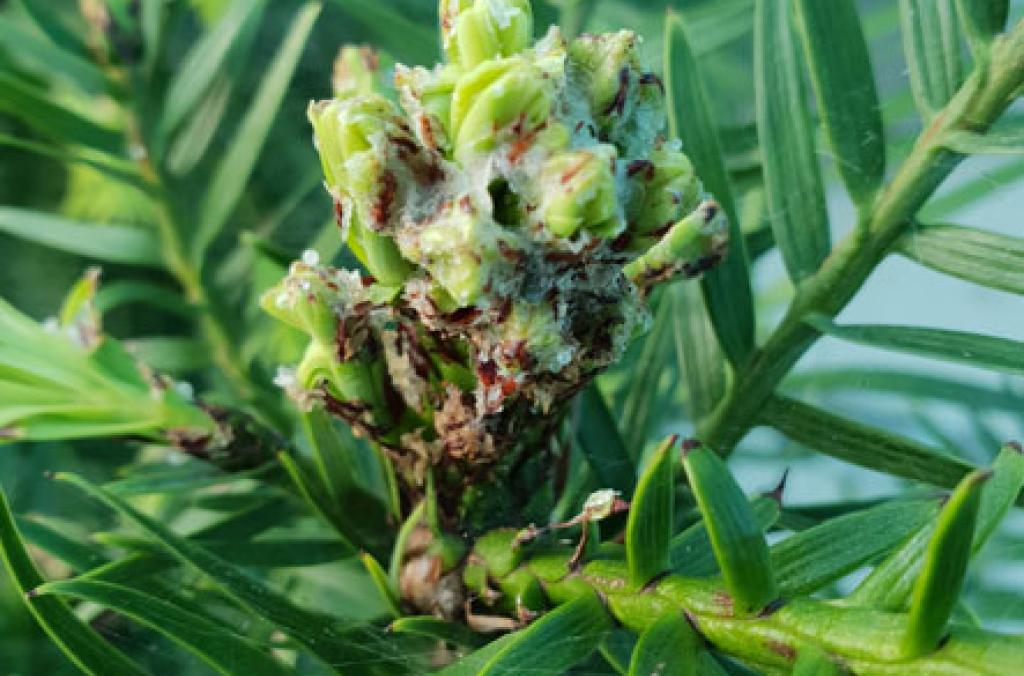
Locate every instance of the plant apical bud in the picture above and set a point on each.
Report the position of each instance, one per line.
(667, 189)
(474, 32)
(580, 192)
(355, 69)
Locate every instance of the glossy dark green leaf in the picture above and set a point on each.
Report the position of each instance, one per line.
(649, 527)
(861, 444)
(932, 42)
(111, 243)
(598, 435)
(38, 110)
(239, 160)
(551, 645)
(727, 287)
(942, 576)
(669, 647)
(809, 560)
(323, 636)
(844, 85)
(973, 349)
(985, 258)
(690, 552)
(736, 537)
(206, 59)
(217, 645)
(697, 351)
(793, 186)
(454, 633)
(79, 643)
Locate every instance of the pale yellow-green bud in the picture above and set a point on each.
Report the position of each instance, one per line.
(608, 63)
(426, 95)
(579, 192)
(667, 189)
(474, 32)
(303, 301)
(692, 246)
(498, 99)
(355, 70)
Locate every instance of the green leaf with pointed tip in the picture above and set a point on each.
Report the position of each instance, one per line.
(239, 161)
(553, 644)
(217, 645)
(690, 552)
(942, 576)
(113, 167)
(931, 44)
(698, 353)
(111, 243)
(382, 583)
(1000, 140)
(669, 647)
(205, 60)
(861, 444)
(985, 258)
(736, 537)
(407, 40)
(402, 540)
(809, 560)
(982, 20)
(602, 445)
(793, 186)
(315, 494)
(324, 636)
(1001, 492)
(973, 349)
(649, 527)
(454, 633)
(811, 661)
(641, 403)
(79, 643)
(46, 59)
(79, 555)
(727, 287)
(844, 84)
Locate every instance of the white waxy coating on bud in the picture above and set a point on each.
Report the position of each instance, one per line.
(474, 32)
(580, 192)
(600, 504)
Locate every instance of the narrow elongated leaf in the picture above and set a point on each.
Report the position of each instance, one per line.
(218, 646)
(381, 582)
(112, 167)
(37, 109)
(649, 527)
(813, 558)
(205, 60)
(407, 40)
(983, 19)
(79, 555)
(985, 258)
(642, 391)
(669, 647)
(79, 643)
(1001, 492)
(599, 437)
(973, 349)
(727, 287)
(111, 243)
(237, 165)
(554, 643)
(862, 445)
(931, 43)
(404, 533)
(119, 293)
(454, 633)
(1003, 177)
(736, 537)
(997, 141)
(50, 23)
(844, 84)
(697, 351)
(942, 576)
(171, 354)
(793, 187)
(691, 553)
(45, 58)
(321, 635)
(315, 494)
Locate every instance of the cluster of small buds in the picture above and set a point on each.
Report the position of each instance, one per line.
(511, 210)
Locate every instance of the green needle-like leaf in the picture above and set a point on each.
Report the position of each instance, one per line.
(382, 583)
(942, 576)
(690, 552)
(43, 57)
(1001, 492)
(239, 161)
(985, 258)
(83, 646)
(669, 647)
(793, 187)
(111, 243)
(844, 84)
(407, 40)
(727, 287)
(216, 644)
(931, 43)
(454, 633)
(736, 537)
(697, 351)
(649, 527)
(602, 445)
(973, 349)
(1008, 140)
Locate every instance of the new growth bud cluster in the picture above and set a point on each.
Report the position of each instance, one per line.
(511, 208)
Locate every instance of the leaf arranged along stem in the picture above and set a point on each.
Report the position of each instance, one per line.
(649, 527)
(455, 633)
(973, 349)
(736, 537)
(598, 436)
(844, 85)
(982, 20)
(811, 661)
(215, 643)
(669, 647)
(697, 351)
(76, 639)
(727, 288)
(1000, 140)
(931, 43)
(985, 258)
(942, 575)
(690, 552)
(793, 186)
